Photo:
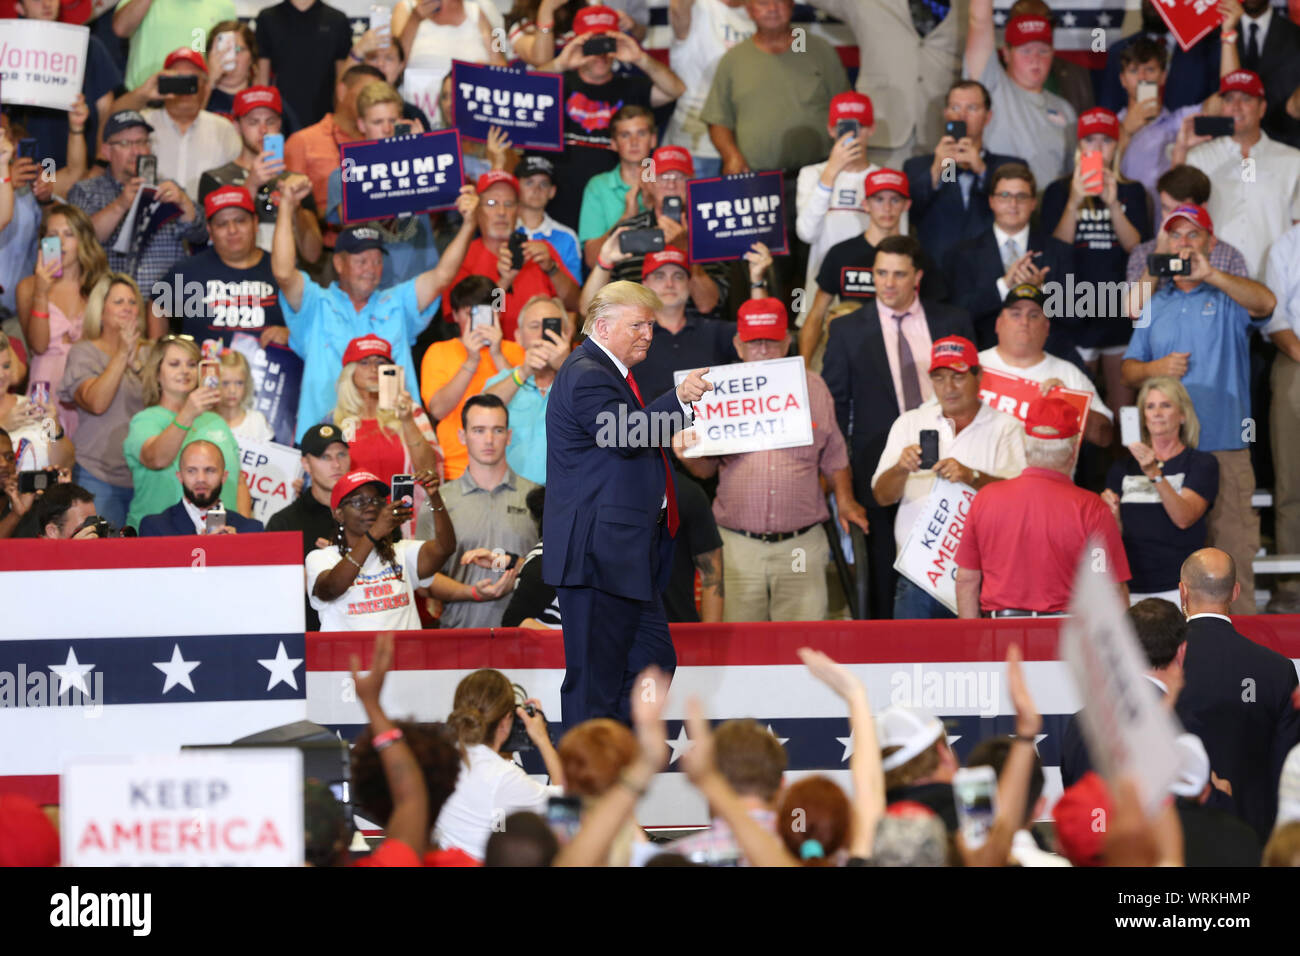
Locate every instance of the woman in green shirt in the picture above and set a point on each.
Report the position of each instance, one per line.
(177, 413)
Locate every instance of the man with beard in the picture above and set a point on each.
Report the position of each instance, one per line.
(202, 472)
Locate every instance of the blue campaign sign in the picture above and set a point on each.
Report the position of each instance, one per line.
(412, 174)
(277, 380)
(527, 106)
(731, 213)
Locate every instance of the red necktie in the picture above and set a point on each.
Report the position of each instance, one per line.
(670, 492)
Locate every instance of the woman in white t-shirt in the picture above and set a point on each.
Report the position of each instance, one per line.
(491, 786)
(366, 581)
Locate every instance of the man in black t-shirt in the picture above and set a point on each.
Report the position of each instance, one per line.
(698, 548)
(304, 45)
(228, 287)
(593, 93)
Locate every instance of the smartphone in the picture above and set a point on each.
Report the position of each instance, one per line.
(30, 482)
(273, 143)
(640, 242)
(186, 84)
(847, 127)
(1213, 126)
(210, 373)
(1130, 426)
(390, 378)
(401, 129)
(52, 252)
(598, 45)
(1147, 91)
(554, 326)
(38, 393)
(381, 19)
(146, 167)
(929, 448)
(975, 792)
(673, 208)
(516, 244)
(403, 487)
(1091, 165)
(480, 316)
(215, 519)
(27, 147)
(564, 815)
(1165, 266)
(955, 128)
(224, 47)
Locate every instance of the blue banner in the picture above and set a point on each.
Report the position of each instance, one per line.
(277, 380)
(731, 213)
(527, 106)
(413, 174)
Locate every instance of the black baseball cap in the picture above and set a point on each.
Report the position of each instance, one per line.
(359, 238)
(124, 119)
(1025, 293)
(318, 438)
(532, 164)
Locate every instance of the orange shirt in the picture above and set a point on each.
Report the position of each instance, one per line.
(441, 363)
(315, 151)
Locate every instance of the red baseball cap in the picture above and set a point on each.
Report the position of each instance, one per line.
(887, 179)
(669, 159)
(1029, 28)
(595, 19)
(188, 55)
(491, 178)
(27, 838)
(852, 105)
(762, 319)
(250, 99)
(1196, 214)
(1076, 815)
(365, 347)
(225, 196)
(954, 352)
(350, 483)
(1242, 81)
(1098, 120)
(668, 256)
(1051, 418)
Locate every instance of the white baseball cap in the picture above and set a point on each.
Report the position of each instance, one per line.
(912, 731)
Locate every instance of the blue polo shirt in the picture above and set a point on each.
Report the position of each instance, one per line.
(526, 453)
(1215, 329)
(321, 329)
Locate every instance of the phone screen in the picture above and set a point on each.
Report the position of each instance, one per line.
(975, 792)
(564, 816)
(403, 487)
(929, 448)
(850, 127)
(210, 373)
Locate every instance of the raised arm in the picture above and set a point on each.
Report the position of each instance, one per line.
(284, 261)
(127, 19)
(980, 39)
(429, 284)
(434, 553)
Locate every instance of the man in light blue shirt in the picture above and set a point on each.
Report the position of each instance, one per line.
(1198, 329)
(526, 388)
(323, 321)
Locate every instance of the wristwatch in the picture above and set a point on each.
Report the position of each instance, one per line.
(975, 476)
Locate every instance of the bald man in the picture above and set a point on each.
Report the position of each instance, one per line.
(202, 471)
(1239, 696)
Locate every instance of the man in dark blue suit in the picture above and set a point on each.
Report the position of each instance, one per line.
(1006, 254)
(1239, 696)
(949, 187)
(873, 381)
(202, 471)
(611, 508)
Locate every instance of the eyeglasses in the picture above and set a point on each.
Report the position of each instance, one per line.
(506, 204)
(1014, 197)
(130, 143)
(363, 502)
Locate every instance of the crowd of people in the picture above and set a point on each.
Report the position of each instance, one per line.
(973, 203)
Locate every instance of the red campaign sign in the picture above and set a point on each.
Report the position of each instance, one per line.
(1011, 394)
(1189, 20)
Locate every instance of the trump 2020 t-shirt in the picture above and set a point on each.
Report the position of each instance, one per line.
(378, 599)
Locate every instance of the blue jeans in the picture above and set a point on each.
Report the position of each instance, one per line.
(111, 502)
(705, 167)
(911, 603)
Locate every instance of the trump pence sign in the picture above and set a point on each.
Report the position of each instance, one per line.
(754, 406)
(731, 213)
(406, 174)
(525, 104)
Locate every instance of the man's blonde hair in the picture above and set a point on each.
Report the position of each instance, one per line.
(374, 93)
(615, 296)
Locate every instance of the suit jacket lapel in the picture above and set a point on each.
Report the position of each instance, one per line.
(596, 352)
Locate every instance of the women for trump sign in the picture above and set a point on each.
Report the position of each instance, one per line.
(42, 63)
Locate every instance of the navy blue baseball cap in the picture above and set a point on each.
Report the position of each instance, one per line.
(124, 119)
(359, 238)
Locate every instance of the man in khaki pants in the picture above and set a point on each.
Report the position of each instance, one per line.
(1283, 278)
(770, 506)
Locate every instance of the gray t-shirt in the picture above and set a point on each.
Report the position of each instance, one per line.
(777, 104)
(483, 519)
(1038, 126)
(99, 438)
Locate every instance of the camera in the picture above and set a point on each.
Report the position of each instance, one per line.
(598, 45)
(640, 242)
(183, 85)
(1164, 266)
(519, 741)
(30, 482)
(103, 528)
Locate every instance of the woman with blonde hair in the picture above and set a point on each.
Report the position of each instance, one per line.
(1161, 494)
(52, 300)
(102, 377)
(491, 785)
(236, 402)
(179, 410)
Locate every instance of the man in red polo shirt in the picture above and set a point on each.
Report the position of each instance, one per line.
(543, 272)
(1024, 537)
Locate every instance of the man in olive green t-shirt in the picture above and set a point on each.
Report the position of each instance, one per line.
(156, 27)
(771, 95)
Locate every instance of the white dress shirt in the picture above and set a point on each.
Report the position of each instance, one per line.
(210, 141)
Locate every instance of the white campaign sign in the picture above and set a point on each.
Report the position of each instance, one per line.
(928, 556)
(189, 809)
(754, 406)
(271, 470)
(1129, 731)
(42, 62)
